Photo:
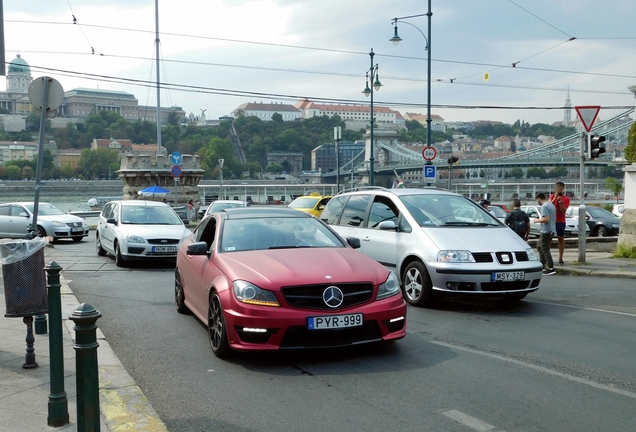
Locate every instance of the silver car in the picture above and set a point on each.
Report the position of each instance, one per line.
(52, 221)
(135, 230)
(219, 205)
(437, 243)
(571, 224)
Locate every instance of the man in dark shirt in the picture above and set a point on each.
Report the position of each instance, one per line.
(518, 220)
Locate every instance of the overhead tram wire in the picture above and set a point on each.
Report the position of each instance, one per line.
(339, 51)
(75, 22)
(242, 93)
(540, 19)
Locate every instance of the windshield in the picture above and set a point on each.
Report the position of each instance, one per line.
(276, 233)
(46, 209)
(598, 212)
(215, 207)
(447, 210)
(497, 211)
(308, 202)
(149, 215)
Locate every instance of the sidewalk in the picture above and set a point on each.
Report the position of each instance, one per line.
(24, 393)
(597, 263)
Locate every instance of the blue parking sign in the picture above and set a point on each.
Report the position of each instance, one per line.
(430, 173)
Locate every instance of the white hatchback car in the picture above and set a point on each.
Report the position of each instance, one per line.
(437, 243)
(135, 230)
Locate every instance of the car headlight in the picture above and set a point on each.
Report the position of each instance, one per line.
(249, 293)
(455, 256)
(616, 225)
(532, 255)
(185, 235)
(389, 288)
(58, 224)
(134, 239)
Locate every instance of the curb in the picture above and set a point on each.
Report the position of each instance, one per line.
(575, 271)
(123, 405)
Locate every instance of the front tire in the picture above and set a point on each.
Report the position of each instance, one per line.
(417, 285)
(602, 231)
(98, 246)
(119, 260)
(217, 331)
(179, 295)
(41, 231)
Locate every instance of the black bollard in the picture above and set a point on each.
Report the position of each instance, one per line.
(85, 316)
(40, 324)
(58, 402)
(29, 358)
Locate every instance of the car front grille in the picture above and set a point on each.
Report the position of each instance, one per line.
(310, 296)
(74, 224)
(521, 256)
(301, 337)
(504, 286)
(482, 257)
(163, 241)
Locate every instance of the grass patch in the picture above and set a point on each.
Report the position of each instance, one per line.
(623, 251)
(576, 263)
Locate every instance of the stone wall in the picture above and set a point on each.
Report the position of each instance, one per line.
(627, 236)
(138, 172)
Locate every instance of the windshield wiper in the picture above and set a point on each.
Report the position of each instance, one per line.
(470, 223)
(289, 247)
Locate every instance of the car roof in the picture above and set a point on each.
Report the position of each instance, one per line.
(262, 212)
(227, 201)
(22, 203)
(400, 191)
(140, 203)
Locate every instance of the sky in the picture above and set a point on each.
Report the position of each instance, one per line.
(218, 54)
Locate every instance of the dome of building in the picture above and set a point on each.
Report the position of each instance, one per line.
(18, 65)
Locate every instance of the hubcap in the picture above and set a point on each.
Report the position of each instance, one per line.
(177, 290)
(215, 323)
(413, 284)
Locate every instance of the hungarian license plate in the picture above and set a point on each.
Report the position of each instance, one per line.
(507, 276)
(77, 229)
(164, 248)
(329, 322)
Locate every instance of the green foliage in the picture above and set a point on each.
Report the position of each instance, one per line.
(611, 171)
(630, 149)
(558, 172)
(416, 132)
(615, 186)
(274, 168)
(519, 128)
(14, 172)
(536, 172)
(219, 148)
(624, 251)
(99, 163)
(516, 173)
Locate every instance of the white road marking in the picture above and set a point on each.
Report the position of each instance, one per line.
(470, 421)
(540, 369)
(581, 307)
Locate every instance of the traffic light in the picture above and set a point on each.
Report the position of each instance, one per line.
(453, 160)
(595, 146)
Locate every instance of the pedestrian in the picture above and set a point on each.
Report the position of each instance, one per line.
(561, 202)
(191, 211)
(546, 233)
(485, 203)
(518, 220)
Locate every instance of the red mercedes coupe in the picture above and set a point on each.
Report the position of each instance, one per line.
(276, 278)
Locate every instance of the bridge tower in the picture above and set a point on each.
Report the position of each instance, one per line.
(567, 112)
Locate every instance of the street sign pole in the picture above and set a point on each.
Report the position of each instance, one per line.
(585, 143)
(221, 161)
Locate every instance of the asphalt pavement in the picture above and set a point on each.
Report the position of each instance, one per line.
(562, 359)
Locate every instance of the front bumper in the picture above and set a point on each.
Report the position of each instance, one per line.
(70, 232)
(139, 251)
(477, 279)
(284, 327)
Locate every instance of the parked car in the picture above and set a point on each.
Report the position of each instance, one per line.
(52, 221)
(498, 212)
(136, 230)
(571, 224)
(274, 278)
(601, 222)
(437, 243)
(618, 210)
(219, 205)
(312, 204)
(503, 206)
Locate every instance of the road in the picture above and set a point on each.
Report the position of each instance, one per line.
(564, 359)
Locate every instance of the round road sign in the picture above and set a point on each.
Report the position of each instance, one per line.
(429, 153)
(55, 93)
(176, 171)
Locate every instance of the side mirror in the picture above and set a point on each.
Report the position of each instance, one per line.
(111, 221)
(23, 214)
(354, 242)
(198, 248)
(388, 225)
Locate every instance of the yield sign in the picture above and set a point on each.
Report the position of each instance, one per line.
(588, 115)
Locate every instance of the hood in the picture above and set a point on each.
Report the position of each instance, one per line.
(66, 218)
(476, 239)
(273, 269)
(155, 231)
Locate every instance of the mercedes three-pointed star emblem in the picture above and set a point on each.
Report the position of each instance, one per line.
(333, 296)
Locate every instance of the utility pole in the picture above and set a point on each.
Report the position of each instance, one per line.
(337, 136)
(585, 142)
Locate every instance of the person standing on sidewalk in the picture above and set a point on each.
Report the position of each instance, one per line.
(518, 220)
(546, 232)
(561, 202)
(191, 214)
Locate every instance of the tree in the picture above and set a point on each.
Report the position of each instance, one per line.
(558, 172)
(3, 172)
(98, 163)
(615, 186)
(274, 168)
(13, 172)
(536, 172)
(630, 149)
(516, 173)
(27, 173)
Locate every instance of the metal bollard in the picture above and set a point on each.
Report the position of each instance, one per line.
(40, 324)
(29, 358)
(85, 316)
(58, 402)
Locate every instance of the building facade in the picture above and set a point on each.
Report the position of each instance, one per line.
(23, 150)
(265, 111)
(15, 99)
(437, 122)
(349, 112)
(323, 157)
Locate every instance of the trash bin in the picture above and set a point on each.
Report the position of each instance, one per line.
(24, 277)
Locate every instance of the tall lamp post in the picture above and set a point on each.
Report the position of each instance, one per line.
(368, 91)
(337, 136)
(397, 39)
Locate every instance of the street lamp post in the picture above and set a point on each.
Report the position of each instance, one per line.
(397, 39)
(337, 136)
(368, 91)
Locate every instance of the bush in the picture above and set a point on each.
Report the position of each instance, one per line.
(623, 251)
